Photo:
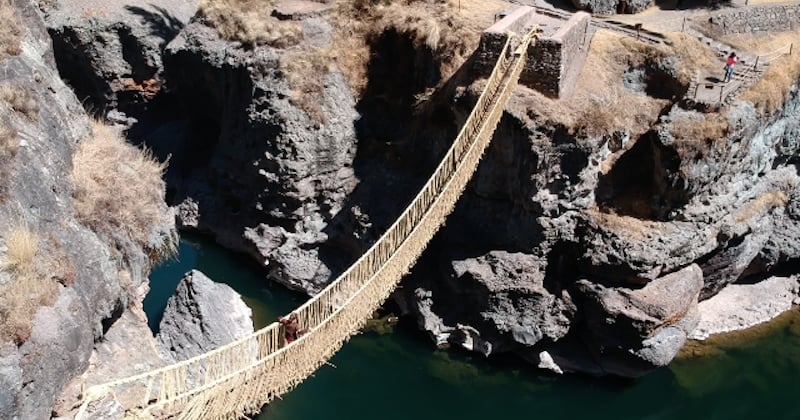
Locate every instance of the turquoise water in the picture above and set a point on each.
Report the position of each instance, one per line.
(399, 375)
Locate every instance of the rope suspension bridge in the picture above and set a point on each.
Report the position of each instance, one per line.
(239, 378)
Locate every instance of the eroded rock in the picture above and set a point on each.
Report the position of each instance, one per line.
(202, 315)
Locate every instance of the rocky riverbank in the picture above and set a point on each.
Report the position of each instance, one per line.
(591, 230)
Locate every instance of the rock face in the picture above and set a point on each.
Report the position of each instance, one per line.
(740, 306)
(93, 282)
(267, 177)
(610, 7)
(202, 315)
(111, 52)
(495, 303)
(630, 332)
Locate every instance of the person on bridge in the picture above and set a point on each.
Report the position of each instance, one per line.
(729, 64)
(291, 328)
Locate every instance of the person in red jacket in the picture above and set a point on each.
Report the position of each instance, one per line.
(729, 64)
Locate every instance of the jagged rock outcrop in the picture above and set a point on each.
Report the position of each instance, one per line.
(623, 212)
(631, 332)
(610, 7)
(200, 316)
(494, 303)
(111, 52)
(266, 175)
(92, 281)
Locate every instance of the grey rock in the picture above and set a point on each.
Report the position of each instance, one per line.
(276, 175)
(202, 315)
(610, 7)
(111, 52)
(499, 302)
(740, 306)
(630, 332)
(39, 194)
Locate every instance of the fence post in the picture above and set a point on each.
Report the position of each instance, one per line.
(721, 91)
(683, 25)
(791, 46)
(756, 64)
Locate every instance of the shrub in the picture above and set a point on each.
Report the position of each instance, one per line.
(29, 288)
(250, 22)
(118, 187)
(19, 99)
(10, 30)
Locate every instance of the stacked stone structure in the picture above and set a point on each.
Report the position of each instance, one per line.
(554, 61)
(775, 18)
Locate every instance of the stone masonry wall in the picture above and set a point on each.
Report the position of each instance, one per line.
(555, 61)
(782, 17)
(493, 38)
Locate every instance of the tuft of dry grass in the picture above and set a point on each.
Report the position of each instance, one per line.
(20, 100)
(22, 244)
(29, 288)
(250, 22)
(118, 187)
(761, 204)
(704, 127)
(10, 30)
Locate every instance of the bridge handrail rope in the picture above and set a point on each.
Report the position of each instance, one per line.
(239, 378)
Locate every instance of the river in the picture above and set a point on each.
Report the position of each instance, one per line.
(400, 375)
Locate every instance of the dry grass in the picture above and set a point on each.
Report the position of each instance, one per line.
(761, 204)
(704, 127)
(626, 226)
(306, 91)
(600, 104)
(20, 100)
(250, 22)
(9, 143)
(696, 57)
(118, 187)
(770, 93)
(10, 30)
(29, 288)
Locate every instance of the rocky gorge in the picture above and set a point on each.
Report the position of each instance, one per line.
(578, 246)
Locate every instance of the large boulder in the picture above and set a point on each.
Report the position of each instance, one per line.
(631, 332)
(202, 315)
(495, 302)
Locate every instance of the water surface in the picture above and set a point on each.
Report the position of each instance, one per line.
(399, 375)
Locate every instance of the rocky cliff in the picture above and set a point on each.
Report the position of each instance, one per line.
(578, 244)
(63, 281)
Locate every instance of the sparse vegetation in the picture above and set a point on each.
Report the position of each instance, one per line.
(118, 187)
(250, 22)
(770, 92)
(704, 127)
(761, 204)
(19, 99)
(29, 287)
(600, 103)
(10, 30)
(8, 151)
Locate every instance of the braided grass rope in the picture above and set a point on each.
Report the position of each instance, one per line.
(237, 379)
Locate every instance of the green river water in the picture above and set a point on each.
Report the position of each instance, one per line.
(400, 375)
